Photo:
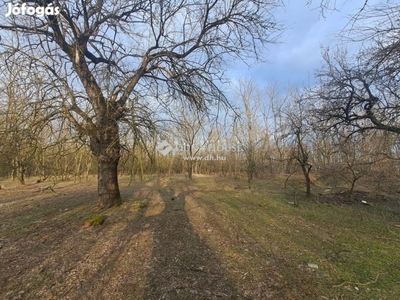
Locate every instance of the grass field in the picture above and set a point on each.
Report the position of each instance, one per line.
(211, 238)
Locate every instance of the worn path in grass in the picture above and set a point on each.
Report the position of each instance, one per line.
(146, 249)
(207, 239)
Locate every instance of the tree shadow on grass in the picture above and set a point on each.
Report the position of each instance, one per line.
(182, 265)
(141, 252)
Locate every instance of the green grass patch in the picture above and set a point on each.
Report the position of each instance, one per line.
(95, 220)
(355, 247)
(138, 206)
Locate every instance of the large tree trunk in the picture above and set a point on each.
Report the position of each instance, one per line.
(105, 146)
(108, 188)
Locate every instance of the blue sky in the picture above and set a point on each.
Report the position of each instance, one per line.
(296, 58)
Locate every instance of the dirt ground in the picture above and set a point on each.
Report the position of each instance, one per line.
(166, 241)
(146, 249)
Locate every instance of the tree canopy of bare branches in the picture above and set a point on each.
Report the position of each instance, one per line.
(99, 55)
(362, 92)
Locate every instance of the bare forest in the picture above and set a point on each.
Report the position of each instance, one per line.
(118, 119)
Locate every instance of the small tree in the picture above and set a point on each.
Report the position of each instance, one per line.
(246, 124)
(298, 133)
(191, 134)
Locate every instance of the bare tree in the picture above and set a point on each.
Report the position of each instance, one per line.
(102, 54)
(279, 130)
(191, 134)
(22, 121)
(362, 92)
(299, 134)
(247, 129)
